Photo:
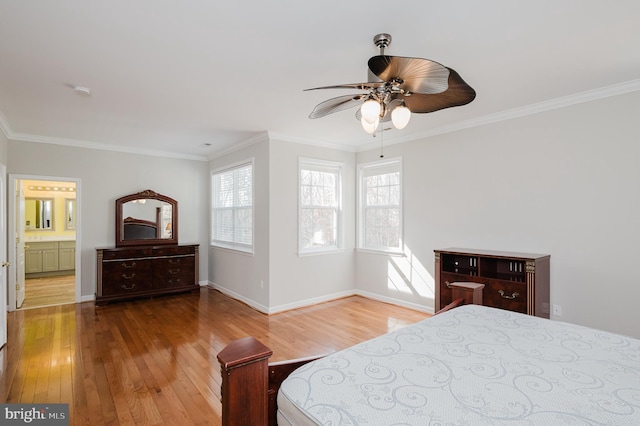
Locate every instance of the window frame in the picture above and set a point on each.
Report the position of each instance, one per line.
(326, 166)
(369, 169)
(233, 245)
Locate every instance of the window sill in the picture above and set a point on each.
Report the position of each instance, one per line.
(394, 253)
(319, 252)
(230, 248)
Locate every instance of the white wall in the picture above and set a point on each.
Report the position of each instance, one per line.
(295, 280)
(4, 148)
(239, 274)
(275, 278)
(562, 182)
(106, 176)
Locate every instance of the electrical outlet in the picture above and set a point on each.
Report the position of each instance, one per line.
(556, 310)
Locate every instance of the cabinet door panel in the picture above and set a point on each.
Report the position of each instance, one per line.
(49, 260)
(32, 261)
(67, 259)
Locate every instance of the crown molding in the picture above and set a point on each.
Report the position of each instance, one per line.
(304, 141)
(260, 137)
(562, 102)
(4, 126)
(23, 137)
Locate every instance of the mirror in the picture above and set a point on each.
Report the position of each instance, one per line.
(38, 214)
(146, 218)
(69, 214)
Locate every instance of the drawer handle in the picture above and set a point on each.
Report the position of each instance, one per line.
(448, 284)
(504, 296)
(133, 265)
(173, 271)
(128, 278)
(174, 261)
(175, 282)
(128, 288)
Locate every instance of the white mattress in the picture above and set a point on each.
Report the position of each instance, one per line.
(472, 365)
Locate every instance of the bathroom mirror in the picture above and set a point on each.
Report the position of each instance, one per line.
(38, 214)
(146, 218)
(69, 214)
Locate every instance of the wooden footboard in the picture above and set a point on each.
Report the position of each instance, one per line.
(250, 383)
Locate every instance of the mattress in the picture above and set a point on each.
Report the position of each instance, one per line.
(471, 365)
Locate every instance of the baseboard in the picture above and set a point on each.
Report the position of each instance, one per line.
(310, 302)
(397, 302)
(322, 299)
(252, 303)
(89, 298)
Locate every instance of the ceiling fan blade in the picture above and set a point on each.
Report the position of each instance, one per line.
(458, 93)
(418, 75)
(359, 86)
(336, 104)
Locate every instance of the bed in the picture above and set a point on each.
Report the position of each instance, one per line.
(469, 365)
(138, 229)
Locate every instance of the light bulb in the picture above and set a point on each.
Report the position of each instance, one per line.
(370, 110)
(400, 117)
(369, 127)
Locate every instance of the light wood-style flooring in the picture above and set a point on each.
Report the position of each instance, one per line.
(49, 291)
(153, 362)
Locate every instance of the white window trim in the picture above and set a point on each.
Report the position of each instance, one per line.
(372, 165)
(237, 247)
(329, 165)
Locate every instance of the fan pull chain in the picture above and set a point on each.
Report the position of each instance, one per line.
(381, 138)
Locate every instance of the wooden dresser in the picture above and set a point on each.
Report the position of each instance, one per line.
(514, 281)
(126, 273)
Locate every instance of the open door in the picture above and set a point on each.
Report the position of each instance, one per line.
(20, 287)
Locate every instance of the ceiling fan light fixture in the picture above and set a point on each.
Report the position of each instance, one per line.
(370, 128)
(370, 110)
(397, 88)
(400, 117)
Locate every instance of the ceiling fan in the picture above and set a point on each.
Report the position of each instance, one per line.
(397, 87)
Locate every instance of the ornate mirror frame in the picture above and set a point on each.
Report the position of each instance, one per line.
(171, 228)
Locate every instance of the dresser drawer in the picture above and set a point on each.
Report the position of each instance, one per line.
(125, 254)
(126, 277)
(507, 295)
(176, 271)
(446, 294)
(173, 250)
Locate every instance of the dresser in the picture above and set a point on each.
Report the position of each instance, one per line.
(126, 273)
(513, 281)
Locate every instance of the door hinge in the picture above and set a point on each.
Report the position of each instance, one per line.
(17, 286)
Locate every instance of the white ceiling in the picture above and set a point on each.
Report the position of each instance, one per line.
(170, 77)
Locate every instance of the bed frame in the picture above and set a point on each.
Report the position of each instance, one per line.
(250, 383)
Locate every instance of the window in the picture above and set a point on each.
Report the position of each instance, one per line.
(380, 206)
(319, 214)
(232, 207)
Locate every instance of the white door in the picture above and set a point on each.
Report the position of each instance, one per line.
(3, 257)
(19, 244)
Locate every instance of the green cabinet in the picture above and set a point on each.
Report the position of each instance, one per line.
(49, 257)
(66, 255)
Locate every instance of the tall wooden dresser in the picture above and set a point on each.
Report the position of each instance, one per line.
(513, 281)
(126, 273)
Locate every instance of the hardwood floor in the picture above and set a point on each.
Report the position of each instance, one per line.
(153, 362)
(48, 291)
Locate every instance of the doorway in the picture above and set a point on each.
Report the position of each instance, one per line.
(45, 222)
